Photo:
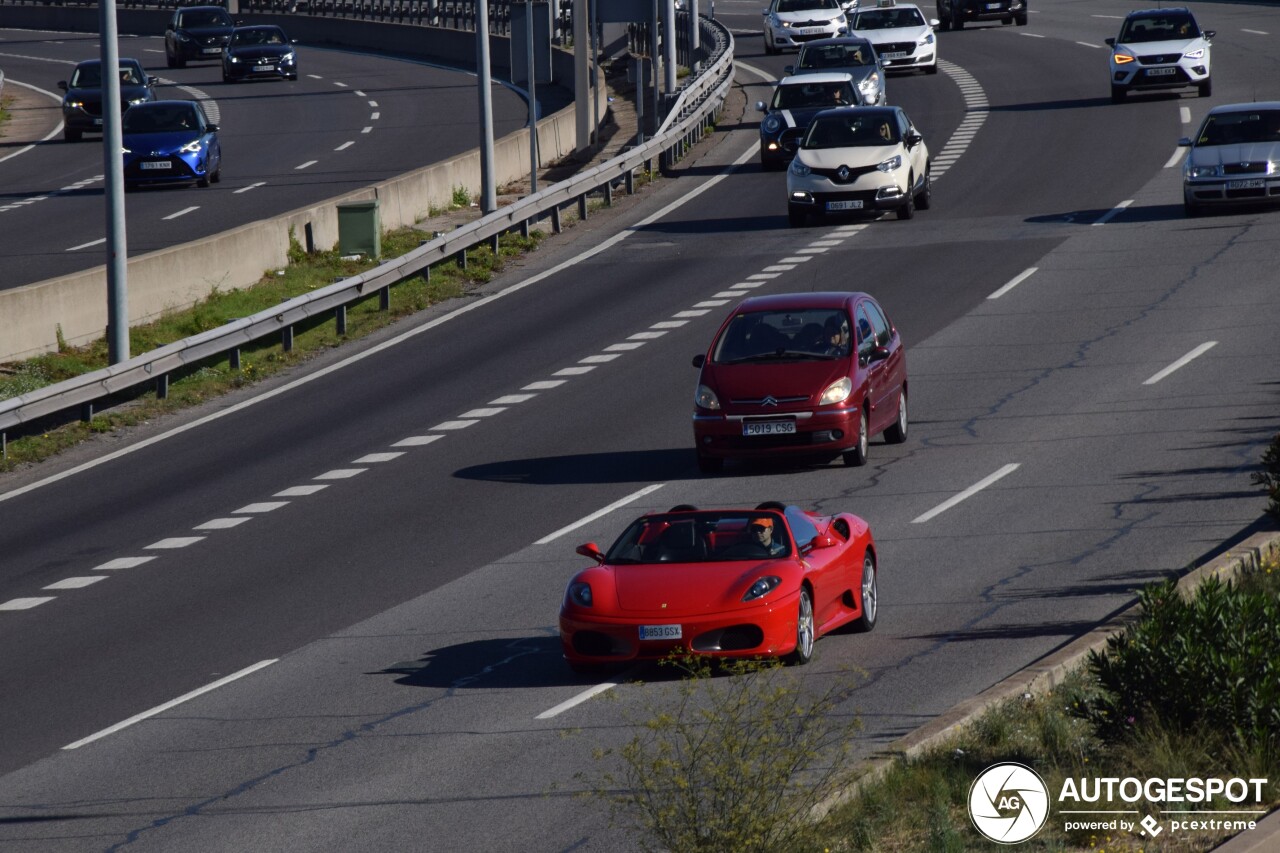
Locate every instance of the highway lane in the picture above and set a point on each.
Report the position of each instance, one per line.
(350, 120)
(422, 719)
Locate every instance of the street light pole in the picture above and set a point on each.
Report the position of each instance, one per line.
(488, 192)
(533, 97)
(113, 174)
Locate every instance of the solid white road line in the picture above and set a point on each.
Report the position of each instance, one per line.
(1255, 32)
(170, 704)
(1014, 282)
(600, 513)
(1182, 362)
(966, 494)
(576, 700)
(1113, 212)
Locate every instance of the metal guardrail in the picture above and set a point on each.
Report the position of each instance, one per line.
(697, 105)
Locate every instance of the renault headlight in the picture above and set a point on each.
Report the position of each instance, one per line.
(894, 162)
(705, 398)
(837, 392)
(799, 169)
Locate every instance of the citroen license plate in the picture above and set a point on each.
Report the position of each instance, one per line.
(768, 427)
(659, 632)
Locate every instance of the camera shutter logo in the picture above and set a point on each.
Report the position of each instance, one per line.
(1008, 803)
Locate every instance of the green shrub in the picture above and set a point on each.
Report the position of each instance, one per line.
(461, 197)
(1210, 662)
(735, 762)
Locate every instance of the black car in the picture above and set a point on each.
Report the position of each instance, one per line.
(849, 54)
(796, 100)
(197, 33)
(953, 14)
(82, 103)
(259, 51)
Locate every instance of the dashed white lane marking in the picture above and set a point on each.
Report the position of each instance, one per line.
(1255, 32)
(511, 399)
(780, 268)
(373, 104)
(733, 294)
(25, 603)
(977, 108)
(222, 523)
(366, 130)
(1175, 158)
(1110, 17)
(691, 313)
(669, 324)
(711, 303)
(1088, 44)
(417, 440)
(339, 84)
(454, 425)
(1014, 282)
(122, 563)
(291, 492)
(600, 513)
(543, 385)
(750, 284)
(646, 336)
(173, 542)
(340, 474)
(483, 413)
(574, 371)
(1182, 362)
(182, 212)
(598, 359)
(625, 347)
(76, 583)
(315, 76)
(967, 493)
(344, 146)
(1114, 212)
(372, 458)
(813, 250)
(375, 116)
(761, 277)
(250, 187)
(1184, 113)
(306, 165)
(1032, 35)
(97, 242)
(170, 704)
(794, 259)
(358, 93)
(576, 700)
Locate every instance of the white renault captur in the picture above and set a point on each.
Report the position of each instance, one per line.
(790, 23)
(1160, 49)
(856, 159)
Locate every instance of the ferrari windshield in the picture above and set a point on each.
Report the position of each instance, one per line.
(702, 537)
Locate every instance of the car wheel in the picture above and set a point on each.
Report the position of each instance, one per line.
(804, 630)
(169, 60)
(1117, 94)
(932, 69)
(957, 23)
(907, 209)
(796, 216)
(897, 433)
(924, 198)
(216, 177)
(870, 596)
(70, 135)
(1205, 88)
(179, 62)
(1004, 22)
(293, 76)
(856, 456)
(1190, 208)
(203, 182)
(710, 464)
(1020, 20)
(768, 44)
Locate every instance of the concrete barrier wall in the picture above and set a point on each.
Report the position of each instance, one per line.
(75, 306)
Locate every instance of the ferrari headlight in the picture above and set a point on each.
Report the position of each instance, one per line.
(772, 124)
(799, 169)
(1203, 171)
(837, 392)
(894, 162)
(1122, 58)
(870, 83)
(762, 586)
(580, 593)
(192, 147)
(1194, 54)
(705, 398)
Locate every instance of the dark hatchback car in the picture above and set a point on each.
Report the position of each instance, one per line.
(82, 103)
(259, 51)
(849, 54)
(197, 34)
(170, 142)
(796, 100)
(954, 14)
(800, 374)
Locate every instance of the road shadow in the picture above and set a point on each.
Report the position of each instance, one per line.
(498, 664)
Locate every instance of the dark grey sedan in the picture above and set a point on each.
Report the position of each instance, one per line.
(850, 55)
(82, 103)
(197, 33)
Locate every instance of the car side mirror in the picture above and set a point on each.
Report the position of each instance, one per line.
(211, 128)
(62, 84)
(699, 359)
(824, 540)
(760, 106)
(1184, 142)
(1110, 42)
(591, 550)
(934, 22)
(914, 139)
(1208, 34)
(788, 70)
(765, 13)
(879, 354)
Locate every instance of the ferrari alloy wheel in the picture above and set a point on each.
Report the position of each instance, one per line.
(897, 433)
(804, 630)
(857, 455)
(870, 595)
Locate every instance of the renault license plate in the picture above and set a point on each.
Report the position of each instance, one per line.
(1247, 184)
(659, 632)
(855, 204)
(154, 164)
(768, 428)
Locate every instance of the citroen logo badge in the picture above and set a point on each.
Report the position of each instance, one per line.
(843, 173)
(769, 401)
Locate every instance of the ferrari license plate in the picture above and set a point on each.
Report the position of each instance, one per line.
(212, 50)
(659, 632)
(855, 204)
(154, 164)
(768, 427)
(1247, 184)
(264, 68)
(1161, 72)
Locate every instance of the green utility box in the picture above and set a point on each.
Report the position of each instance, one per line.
(359, 230)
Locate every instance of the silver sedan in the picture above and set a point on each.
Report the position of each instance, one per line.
(1234, 158)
